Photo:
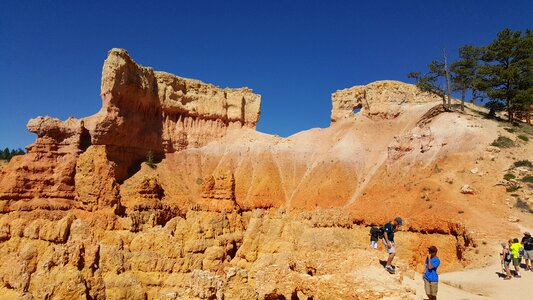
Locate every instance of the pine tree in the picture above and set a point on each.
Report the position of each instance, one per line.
(5, 153)
(466, 72)
(501, 72)
(432, 81)
(523, 101)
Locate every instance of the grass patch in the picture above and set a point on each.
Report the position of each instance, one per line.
(503, 142)
(511, 130)
(511, 189)
(523, 163)
(528, 129)
(509, 176)
(523, 138)
(528, 179)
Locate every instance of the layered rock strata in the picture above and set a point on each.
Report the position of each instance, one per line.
(143, 111)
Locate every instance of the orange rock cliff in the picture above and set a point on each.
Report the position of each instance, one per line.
(221, 211)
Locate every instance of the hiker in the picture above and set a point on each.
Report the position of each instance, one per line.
(431, 278)
(516, 248)
(374, 236)
(506, 258)
(387, 238)
(527, 241)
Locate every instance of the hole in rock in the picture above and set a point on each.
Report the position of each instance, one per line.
(233, 251)
(85, 139)
(357, 109)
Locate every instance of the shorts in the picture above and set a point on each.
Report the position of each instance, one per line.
(528, 254)
(374, 244)
(506, 263)
(431, 287)
(392, 248)
(517, 261)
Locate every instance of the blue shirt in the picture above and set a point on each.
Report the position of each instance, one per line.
(431, 275)
(389, 229)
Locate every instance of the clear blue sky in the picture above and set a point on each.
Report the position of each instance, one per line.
(294, 53)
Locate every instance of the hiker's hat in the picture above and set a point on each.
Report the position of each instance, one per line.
(432, 249)
(399, 220)
(527, 233)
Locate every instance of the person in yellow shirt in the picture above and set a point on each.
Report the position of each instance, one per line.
(517, 258)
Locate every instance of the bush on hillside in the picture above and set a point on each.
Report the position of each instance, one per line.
(511, 189)
(150, 160)
(524, 206)
(523, 163)
(509, 176)
(528, 179)
(523, 138)
(503, 142)
(511, 130)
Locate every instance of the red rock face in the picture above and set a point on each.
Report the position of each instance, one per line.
(47, 170)
(142, 111)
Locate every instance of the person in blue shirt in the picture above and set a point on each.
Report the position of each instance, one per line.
(431, 278)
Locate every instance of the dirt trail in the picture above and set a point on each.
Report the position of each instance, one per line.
(483, 283)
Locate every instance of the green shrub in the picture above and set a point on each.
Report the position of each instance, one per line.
(523, 138)
(509, 176)
(523, 163)
(150, 159)
(511, 189)
(511, 130)
(528, 179)
(503, 142)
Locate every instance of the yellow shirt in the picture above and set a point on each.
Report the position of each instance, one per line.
(515, 249)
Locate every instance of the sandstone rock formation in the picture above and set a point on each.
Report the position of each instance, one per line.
(47, 171)
(225, 212)
(142, 111)
(383, 99)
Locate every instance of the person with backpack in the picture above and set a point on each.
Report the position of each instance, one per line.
(374, 236)
(527, 241)
(506, 258)
(387, 237)
(517, 250)
(431, 277)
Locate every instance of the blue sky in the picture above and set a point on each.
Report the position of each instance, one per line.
(293, 53)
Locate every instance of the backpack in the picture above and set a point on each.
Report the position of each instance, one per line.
(521, 252)
(381, 232)
(374, 232)
(509, 256)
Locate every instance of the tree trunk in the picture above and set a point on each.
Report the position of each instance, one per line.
(509, 111)
(447, 79)
(474, 96)
(463, 92)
